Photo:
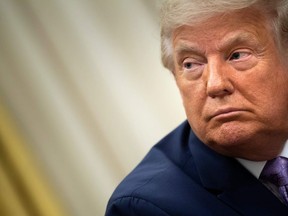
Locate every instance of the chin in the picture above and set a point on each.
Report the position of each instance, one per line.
(232, 133)
(252, 143)
(229, 140)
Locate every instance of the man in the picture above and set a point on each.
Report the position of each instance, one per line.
(230, 62)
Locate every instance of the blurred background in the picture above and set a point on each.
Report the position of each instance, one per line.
(83, 97)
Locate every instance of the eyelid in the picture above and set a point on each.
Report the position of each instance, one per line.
(245, 51)
(194, 70)
(190, 60)
(195, 58)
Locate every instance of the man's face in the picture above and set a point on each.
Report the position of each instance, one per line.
(234, 84)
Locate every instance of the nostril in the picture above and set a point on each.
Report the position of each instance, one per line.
(220, 90)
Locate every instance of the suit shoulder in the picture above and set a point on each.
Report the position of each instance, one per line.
(160, 179)
(166, 157)
(163, 191)
(129, 205)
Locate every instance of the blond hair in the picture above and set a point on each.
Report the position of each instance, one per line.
(176, 13)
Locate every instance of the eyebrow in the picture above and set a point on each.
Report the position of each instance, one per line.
(230, 40)
(188, 48)
(238, 38)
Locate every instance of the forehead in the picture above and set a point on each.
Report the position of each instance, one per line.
(243, 25)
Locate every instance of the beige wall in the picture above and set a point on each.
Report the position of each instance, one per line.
(83, 82)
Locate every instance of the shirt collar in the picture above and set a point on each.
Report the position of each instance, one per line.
(255, 167)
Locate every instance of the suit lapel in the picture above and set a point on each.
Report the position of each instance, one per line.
(232, 183)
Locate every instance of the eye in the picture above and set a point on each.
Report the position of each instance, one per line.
(243, 59)
(239, 55)
(190, 64)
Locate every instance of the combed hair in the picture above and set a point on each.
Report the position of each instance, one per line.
(176, 13)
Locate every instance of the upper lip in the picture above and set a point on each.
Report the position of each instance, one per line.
(223, 111)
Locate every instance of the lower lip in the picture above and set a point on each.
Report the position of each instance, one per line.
(228, 115)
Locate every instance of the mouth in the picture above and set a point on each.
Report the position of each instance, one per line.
(226, 113)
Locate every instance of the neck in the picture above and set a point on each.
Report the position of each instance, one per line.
(256, 151)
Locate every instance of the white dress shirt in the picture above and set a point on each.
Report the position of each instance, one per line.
(255, 167)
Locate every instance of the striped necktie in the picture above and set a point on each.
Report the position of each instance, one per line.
(275, 172)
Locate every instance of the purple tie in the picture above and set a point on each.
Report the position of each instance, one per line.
(275, 171)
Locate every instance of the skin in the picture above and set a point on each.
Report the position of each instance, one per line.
(234, 84)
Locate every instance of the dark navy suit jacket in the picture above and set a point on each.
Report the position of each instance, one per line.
(181, 176)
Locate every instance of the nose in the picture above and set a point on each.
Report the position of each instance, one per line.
(219, 80)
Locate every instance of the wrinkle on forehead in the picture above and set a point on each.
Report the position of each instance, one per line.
(235, 28)
(229, 40)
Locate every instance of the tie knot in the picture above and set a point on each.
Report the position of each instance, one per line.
(276, 171)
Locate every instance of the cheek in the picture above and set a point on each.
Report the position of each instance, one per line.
(276, 105)
(269, 93)
(272, 88)
(191, 93)
(264, 85)
(193, 97)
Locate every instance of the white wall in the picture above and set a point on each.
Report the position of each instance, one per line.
(84, 80)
